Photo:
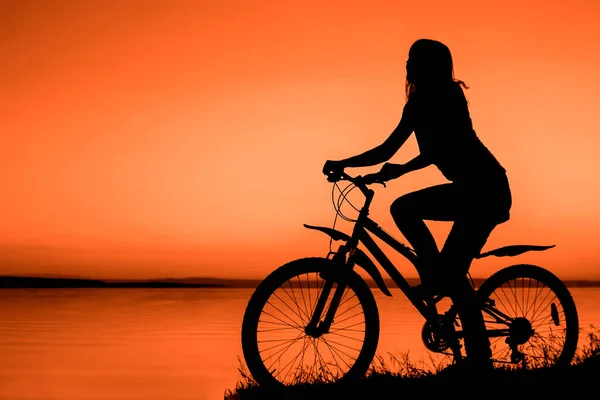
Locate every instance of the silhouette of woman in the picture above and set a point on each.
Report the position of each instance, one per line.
(476, 199)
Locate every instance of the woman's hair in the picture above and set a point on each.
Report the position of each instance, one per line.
(429, 65)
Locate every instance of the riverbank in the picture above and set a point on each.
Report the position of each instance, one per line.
(581, 377)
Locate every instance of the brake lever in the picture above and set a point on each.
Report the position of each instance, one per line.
(373, 181)
(334, 178)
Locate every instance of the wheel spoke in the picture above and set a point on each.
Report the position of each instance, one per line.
(348, 309)
(282, 321)
(332, 350)
(543, 328)
(295, 301)
(286, 353)
(283, 349)
(302, 293)
(541, 304)
(346, 336)
(347, 318)
(347, 328)
(291, 309)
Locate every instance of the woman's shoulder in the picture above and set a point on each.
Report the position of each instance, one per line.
(454, 89)
(455, 94)
(438, 96)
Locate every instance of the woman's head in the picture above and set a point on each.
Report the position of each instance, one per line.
(429, 65)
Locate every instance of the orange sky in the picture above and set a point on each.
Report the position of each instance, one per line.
(172, 138)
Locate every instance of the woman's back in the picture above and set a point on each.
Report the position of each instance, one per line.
(445, 134)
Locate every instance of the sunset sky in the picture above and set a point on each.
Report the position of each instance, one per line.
(144, 139)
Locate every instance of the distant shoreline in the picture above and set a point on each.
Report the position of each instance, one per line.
(26, 282)
(17, 282)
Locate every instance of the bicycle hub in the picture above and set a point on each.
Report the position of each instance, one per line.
(520, 331)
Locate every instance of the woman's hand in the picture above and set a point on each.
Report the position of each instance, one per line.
(391, 171)
(332, 167)
(388, 172)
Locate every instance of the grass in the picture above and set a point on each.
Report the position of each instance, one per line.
(400, 376)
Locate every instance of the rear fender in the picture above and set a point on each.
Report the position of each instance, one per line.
(514, 250)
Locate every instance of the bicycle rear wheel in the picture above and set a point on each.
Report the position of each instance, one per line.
(275, 345)
(530, 317)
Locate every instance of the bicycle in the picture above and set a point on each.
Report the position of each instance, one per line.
(300, 313)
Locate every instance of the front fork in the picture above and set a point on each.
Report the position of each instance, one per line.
(317, 327)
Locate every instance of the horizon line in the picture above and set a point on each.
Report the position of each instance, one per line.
(23, 281)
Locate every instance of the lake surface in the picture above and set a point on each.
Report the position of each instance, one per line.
(171, 344)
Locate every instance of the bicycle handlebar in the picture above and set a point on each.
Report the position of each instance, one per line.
(358, 180)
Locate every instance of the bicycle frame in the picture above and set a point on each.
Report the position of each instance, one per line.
(345, 259)
(363, 225)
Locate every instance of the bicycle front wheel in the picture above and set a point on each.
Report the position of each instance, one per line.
(278, 350)
(530, 317)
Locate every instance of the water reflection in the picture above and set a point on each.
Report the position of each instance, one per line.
(148, 344)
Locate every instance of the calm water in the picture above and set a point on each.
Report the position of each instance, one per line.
(149, 344)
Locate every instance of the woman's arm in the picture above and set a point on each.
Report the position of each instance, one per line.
(391, 171)
(416, 163)
(388, 148)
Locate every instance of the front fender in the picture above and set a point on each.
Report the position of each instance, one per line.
(360, 258)
(334, 233)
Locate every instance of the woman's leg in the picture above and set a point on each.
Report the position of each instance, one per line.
(483, 206)
(437, 203)
(465, 241)
(477, 343)
(466, 238)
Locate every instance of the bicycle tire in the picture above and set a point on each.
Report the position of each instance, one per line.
(565, 318)
(264, 375)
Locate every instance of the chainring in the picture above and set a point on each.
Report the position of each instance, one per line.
(433, 339)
